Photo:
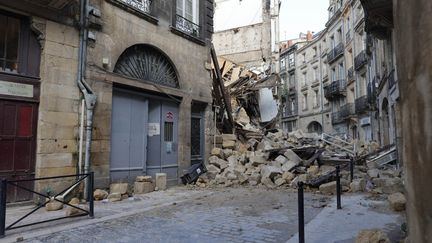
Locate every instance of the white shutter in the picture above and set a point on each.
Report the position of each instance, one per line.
(180, 7)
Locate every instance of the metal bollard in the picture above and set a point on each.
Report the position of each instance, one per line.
(301, 212)
(338, 188)
(352, 169)
(90, 194)
(3, 189)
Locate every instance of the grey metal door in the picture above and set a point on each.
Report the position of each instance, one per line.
(163, 139)
(128, 136)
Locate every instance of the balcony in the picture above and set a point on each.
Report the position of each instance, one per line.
(287, 112)
(335, 89)
(362, 105)
(336, 118)
(379, 17)
(335, 53)
(360, 60)
(334, 17)
(350, 74)
(142, 5)
(187, 26)
(347, 111)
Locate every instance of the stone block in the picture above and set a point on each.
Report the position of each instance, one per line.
(288, 166)
(121, 188)
(290, 155)
(221, 164)
(228, 144)
(143, 187)
(256, 160)
(54, 205)
(161, 181)
(373, 173)
(367, 236)
(281, 159)
(114, 197)
(397, 201)
(358, 185)
(270, 172)
(217, 152)
(229, 137)
(328, 188)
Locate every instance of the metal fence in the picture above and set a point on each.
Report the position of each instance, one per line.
(4, 184)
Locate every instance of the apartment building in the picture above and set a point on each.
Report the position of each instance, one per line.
(117, 63)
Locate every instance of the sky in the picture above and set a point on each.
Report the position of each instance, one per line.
(300, 16)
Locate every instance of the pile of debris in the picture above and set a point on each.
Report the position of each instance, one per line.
(282, 160)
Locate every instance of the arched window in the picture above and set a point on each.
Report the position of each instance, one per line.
(147, 63)
(314, 127)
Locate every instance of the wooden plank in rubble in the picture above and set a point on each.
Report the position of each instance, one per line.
(221, 85)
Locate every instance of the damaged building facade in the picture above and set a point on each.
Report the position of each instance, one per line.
(147, 101)
(248, 36)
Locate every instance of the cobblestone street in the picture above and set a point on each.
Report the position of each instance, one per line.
(234, 215)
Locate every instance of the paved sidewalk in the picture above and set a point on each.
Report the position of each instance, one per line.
(357, 213)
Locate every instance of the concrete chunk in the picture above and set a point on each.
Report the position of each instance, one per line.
(290, 155)
(328, 188)
(217, 152)
(143, 179)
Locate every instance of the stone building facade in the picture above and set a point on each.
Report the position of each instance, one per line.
(356, 70)
(144, 61)
(314, 109)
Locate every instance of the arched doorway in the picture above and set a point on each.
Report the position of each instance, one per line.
(314, 127)
(144, 125)
(354, 132)
(385, 122)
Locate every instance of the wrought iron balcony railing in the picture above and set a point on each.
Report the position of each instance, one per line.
(347, 111)
(288, 112)
(336, 118)
(335, 89)
(335, 53)
(141, 5)
(362, 104)
(360, 60)
(187, 26)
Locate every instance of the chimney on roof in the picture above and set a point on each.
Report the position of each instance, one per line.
(309, 36)
(290, 43)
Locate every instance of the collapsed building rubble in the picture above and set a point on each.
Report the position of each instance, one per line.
(252, 151)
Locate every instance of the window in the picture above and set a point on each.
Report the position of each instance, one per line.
(188, 9)
(9, 42)
(304, 57)
(316, 75)
(315, 53)
(187, 18)
(304, 79)
(341, 71)
(305, 104)
(333, 74)
(168, 131)
(316, 99)
(291, 60)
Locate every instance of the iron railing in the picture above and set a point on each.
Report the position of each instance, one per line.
(347, 111)
(360, 60)
(335, 53)
(336, 117)
(362, 104)
(288, 112)
(335, 89)
(141, 5)
(187, 26)
(4, 183)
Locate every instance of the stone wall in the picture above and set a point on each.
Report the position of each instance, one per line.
(57, 132)
(413, 19)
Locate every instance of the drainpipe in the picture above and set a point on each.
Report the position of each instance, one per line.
(89, 95)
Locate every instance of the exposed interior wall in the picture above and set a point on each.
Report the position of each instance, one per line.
(412, 18)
